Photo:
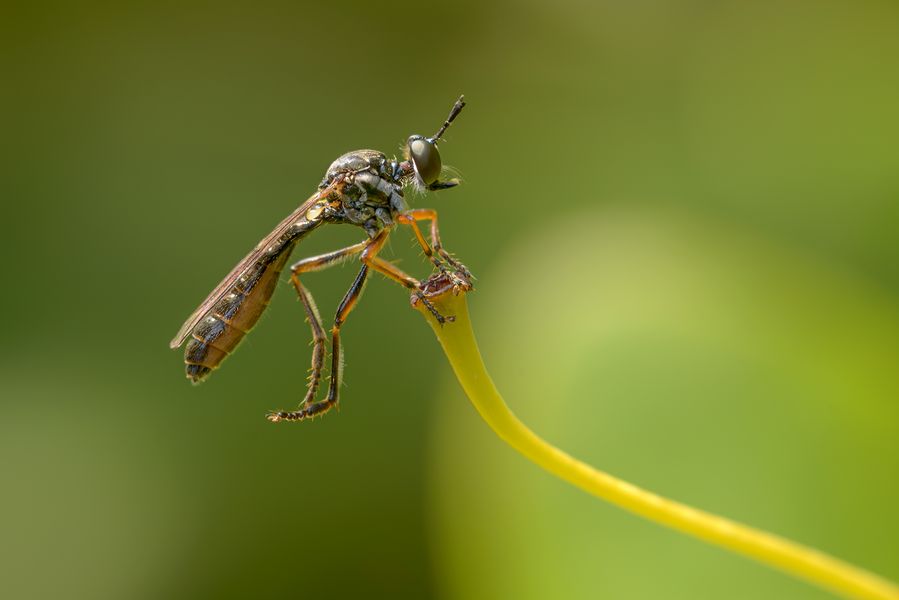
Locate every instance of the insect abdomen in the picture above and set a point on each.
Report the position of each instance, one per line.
(223, 327)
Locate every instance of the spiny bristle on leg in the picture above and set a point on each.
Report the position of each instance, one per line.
(305, 413)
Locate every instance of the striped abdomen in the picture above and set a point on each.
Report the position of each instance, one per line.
(227, 321)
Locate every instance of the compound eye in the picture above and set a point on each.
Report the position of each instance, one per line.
(426, 159)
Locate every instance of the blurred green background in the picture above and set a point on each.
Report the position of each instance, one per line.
(684, 217)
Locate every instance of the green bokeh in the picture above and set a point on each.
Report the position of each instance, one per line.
(706, 364)
(743, 156)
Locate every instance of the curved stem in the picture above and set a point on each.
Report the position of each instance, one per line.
(460, 346)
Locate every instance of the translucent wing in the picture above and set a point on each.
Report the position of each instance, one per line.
(250, 259)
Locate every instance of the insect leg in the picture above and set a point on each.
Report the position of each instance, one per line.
(408, 219)
(411, 218)
(346, 305)
(314, 263)
(391, 271)
(317, 408)
(370, 260)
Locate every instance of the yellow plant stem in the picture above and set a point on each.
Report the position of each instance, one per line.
(460, 346)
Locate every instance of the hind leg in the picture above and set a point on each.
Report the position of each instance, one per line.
(314, 263)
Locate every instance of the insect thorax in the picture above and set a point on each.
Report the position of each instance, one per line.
(372, 194)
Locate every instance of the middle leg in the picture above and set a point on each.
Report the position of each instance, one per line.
(369, 258)
(391, 271)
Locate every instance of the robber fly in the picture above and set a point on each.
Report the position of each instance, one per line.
(362, 188)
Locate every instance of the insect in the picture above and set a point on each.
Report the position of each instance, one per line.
(362, 188)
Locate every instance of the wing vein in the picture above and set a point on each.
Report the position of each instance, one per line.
(228, 282)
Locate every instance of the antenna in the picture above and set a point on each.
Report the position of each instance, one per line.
(457, 108)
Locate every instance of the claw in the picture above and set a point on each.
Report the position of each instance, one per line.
(305, 412)
(437, 284)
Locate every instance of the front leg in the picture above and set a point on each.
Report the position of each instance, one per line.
(411, 218)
